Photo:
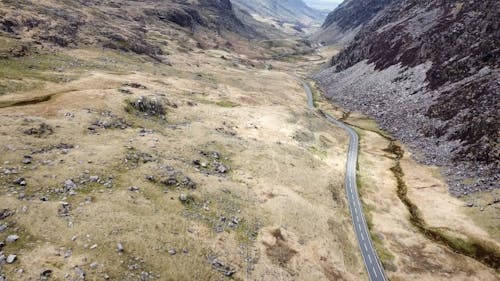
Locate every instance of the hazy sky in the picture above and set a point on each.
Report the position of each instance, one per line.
(323, 4)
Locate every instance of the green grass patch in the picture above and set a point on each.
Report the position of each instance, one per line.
(481, 251)
(386, 257)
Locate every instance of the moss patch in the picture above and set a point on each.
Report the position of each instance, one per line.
(479, 250)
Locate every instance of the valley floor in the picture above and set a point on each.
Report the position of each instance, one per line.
(238, 179)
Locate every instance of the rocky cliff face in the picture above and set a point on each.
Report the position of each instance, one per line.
(121, 25)
(429, 71)
(342, 24)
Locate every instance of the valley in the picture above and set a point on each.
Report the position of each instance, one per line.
(192, 152)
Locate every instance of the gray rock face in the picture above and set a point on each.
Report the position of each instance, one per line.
(342, 24)
(452, 115)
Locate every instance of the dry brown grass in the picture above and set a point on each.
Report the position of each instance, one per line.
(256, 136)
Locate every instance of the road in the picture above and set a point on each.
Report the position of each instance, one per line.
(370, 257)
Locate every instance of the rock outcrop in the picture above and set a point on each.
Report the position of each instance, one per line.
(123, 25)
(429, 71)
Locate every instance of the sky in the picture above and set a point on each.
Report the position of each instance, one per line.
(323, 4)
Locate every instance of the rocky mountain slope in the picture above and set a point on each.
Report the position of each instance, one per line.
(429, 72)
(342, 24)
(294, 12)
(123, 25)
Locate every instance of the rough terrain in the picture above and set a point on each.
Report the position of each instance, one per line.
(201, 163)
(342, 24)
(441, 101)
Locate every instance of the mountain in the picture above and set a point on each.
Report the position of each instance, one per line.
(124, 25)
(429, 72)
(323, 4)
(283, 11)
(342, 24)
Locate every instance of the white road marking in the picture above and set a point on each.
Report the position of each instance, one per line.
(350, 185)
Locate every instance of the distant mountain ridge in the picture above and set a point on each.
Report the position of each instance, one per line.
(291, 11)
(327, 5)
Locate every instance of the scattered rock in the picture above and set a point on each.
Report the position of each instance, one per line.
(5, 213)
(109, 123)
(94, 179)
(470, 204)
(133, 188)
(172, 251)
(12, 238)
(120, 248)
(134, 85)
(221, 267)
(187, 182)
(64, 210)
(20, 181)
(94, 265)
(11, 259)
(134, 157)
(69, 185)
(46, 274)
(68, 253)
(183, 198)
(149, 106)
(170, 181)
(42, 130)
(93, 247)
(215, 155)
(80, 274)
(220, 168)
(27, 159)
(125, 91)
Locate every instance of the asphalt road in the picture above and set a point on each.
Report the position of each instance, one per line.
(370, 257)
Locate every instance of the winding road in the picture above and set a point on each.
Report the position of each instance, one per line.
(370, 257)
